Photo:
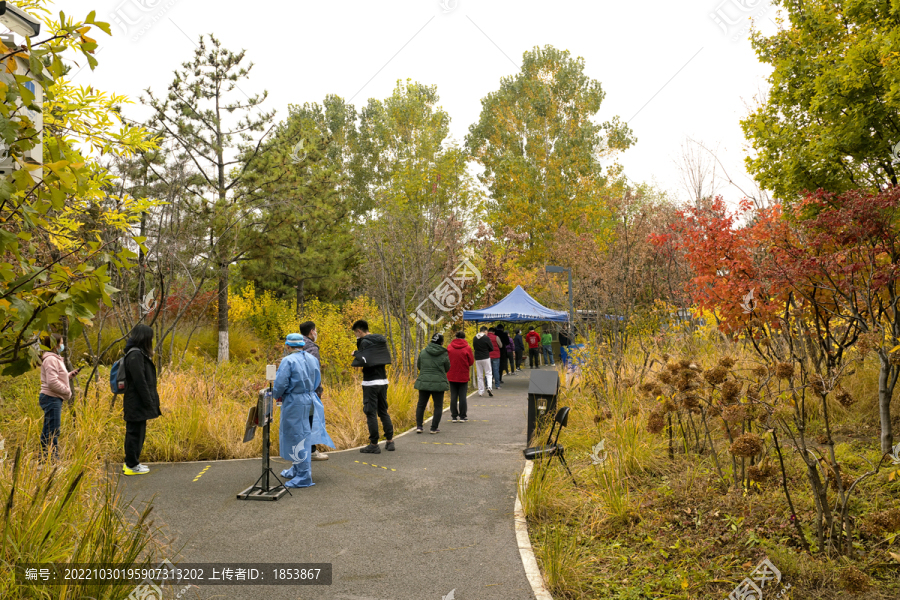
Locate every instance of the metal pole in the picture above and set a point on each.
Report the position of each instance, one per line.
(571, 305)
(265, 462)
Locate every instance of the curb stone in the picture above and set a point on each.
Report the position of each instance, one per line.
(532, 571)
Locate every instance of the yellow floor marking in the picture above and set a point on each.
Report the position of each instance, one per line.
(374, 465)
(199, 475)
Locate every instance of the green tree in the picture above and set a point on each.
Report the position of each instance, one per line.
(304, 245)
(830, 118)
(60, 231)
(419, 200)
(216, 125)
(541, 150)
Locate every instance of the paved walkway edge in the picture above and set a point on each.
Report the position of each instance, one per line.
(532, 571)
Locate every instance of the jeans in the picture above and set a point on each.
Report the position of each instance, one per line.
(548, 355)
(511, 357)
(495, 368)
(458, 406)
(483, 373)
(52, 421)
(534, 357)
(375, 407)
(135, 431)
(438, 398)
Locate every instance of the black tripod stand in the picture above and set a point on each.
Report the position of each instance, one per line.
(261, 490)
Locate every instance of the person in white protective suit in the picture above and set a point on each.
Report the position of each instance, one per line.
(296, 381)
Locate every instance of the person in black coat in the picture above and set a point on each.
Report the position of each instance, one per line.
(373, 355)
(520, 349)
(503, 339)
(140, 401)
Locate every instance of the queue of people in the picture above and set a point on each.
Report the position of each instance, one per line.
(298, 386)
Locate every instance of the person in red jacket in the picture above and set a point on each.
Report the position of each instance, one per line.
(461, 359)
(495, 356)
(534, 347)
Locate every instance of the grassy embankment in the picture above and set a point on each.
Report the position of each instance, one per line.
(644, 525)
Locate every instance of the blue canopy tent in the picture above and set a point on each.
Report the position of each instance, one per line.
(517, 307)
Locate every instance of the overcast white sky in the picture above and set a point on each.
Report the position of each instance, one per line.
(667, 67)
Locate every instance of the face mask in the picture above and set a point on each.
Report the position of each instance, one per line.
(62, 347)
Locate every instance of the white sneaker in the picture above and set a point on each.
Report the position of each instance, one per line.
(319, 455)
(137, 470)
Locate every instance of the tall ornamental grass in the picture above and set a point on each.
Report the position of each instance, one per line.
(72, 512)
(204, 410)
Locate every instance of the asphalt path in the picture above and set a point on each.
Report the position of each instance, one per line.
(431, 518)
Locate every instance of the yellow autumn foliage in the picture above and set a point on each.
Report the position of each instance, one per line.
(273, 319)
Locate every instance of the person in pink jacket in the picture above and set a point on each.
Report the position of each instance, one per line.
(55, 388)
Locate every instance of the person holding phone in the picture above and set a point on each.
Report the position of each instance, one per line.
(55, 388)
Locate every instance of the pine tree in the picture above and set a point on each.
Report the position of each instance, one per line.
(215, 124)
(303, 246)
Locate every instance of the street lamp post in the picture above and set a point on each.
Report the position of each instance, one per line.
(18, 20)
(554, 269)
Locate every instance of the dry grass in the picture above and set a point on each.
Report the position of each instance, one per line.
(642, 525)
(70, 513)
(204, 410)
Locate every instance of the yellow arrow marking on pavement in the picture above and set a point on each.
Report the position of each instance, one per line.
(199, 475)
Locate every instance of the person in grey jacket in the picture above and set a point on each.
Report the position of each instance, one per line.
(309, 333)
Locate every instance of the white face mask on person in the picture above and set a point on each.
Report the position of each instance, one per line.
(62, 348)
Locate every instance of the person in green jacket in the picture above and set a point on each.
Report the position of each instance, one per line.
(433, 364)
(547, 343)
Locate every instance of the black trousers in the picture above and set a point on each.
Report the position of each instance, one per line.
(534, 357)
(520, 358)
(375, 407)
(504, 361)
(438, 397)
(135, 431)
(312, 447)
(458, 399)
